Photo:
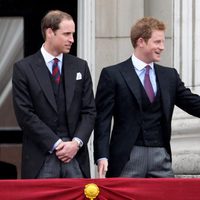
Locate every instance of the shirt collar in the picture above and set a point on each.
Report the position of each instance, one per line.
(139, 64)
(48, 57)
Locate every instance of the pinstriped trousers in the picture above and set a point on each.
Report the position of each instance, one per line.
(54, 168)
(148, 162)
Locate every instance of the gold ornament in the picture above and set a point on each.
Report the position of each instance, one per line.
(91, 191)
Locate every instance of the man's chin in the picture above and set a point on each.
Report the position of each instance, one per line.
(66, 51)
(157, 59)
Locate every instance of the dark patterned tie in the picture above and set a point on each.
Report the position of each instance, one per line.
(148, 86)
(55, 71)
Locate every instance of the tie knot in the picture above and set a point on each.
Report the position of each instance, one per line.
(147, 69)
(55, 60)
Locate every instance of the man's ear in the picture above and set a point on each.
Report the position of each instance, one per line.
(49, 33)
(140, 42)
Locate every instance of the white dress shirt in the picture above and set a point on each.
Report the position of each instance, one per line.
(139, 67)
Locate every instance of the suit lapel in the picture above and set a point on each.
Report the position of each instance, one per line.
(42, 75)
(131, 78)
(70, 79)
(164, 88)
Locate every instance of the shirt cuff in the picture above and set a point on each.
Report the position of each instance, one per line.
(55, 145)
(79, 141)
(102, 159)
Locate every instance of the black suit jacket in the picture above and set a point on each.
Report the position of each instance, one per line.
(119, 96)
(36, 109)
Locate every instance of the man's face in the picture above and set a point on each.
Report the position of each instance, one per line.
(63, 38)
(152, 49)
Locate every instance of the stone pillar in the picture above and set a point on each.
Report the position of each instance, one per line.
(114, 19)
(86, 49)
(186, 129)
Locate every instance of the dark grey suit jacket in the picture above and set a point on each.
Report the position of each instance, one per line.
(119, 96)
(36, 109)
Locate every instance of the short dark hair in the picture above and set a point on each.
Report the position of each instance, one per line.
(52, 20)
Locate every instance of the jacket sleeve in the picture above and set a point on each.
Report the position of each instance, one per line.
(104, 104)
(31, 124)
(187, 100)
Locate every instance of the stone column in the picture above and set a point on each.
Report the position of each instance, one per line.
(186, 129)
(86, 49)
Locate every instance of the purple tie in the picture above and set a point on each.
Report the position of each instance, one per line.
(147, 85)
(55, 71)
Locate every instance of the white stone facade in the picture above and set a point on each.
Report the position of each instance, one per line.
(112, 21)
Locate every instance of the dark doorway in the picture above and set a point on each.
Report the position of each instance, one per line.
(32, 11)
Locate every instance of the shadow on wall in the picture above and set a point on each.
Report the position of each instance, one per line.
(7, 171)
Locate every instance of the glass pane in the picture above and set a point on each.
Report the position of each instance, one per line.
(12, 49)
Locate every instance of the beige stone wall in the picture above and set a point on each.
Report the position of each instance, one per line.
(114, 19)
(163, 10)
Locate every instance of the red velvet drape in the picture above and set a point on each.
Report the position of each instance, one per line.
(110, 189)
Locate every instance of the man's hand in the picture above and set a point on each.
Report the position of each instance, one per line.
(102, 167)
(66, 151)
